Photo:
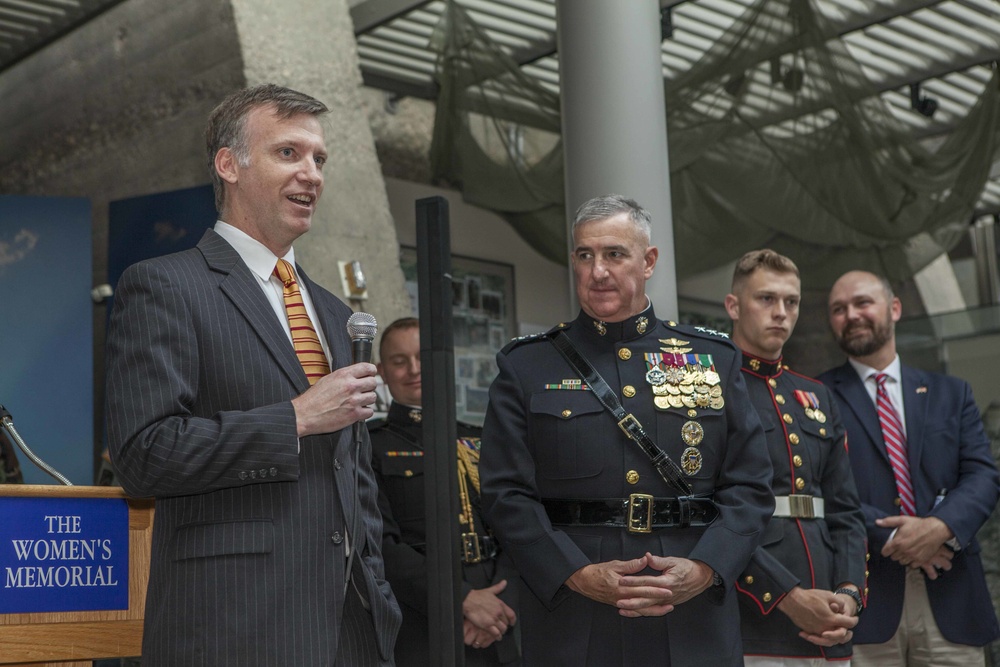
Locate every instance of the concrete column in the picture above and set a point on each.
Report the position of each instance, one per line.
(614, 120)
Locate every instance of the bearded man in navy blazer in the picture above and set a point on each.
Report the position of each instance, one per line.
(266, 545)
(928, 603)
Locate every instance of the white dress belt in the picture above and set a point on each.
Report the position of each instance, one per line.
(799, 506)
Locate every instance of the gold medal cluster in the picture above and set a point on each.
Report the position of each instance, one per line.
(688, 386)
(683, 388)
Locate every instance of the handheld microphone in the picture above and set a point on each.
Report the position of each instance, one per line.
(362, 329)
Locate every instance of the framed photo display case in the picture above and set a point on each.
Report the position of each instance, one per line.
(483, 321)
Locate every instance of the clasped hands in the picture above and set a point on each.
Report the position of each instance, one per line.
(919, 542)
(485, 617)
(824, 618)
(619, 584)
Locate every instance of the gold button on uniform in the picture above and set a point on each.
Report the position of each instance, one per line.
(787, 418)
(773, 383)
(779, 399)
(628, 391)
(567, 413)
(793, 438)
(748, 579)
(692, 413)
(767, 597)
(822, 432)
(408, 473)
(624, 354)
(797, 460)
(632, 477)
(800, 483)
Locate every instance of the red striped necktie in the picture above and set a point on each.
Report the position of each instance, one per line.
(895, 446)
(304, 338)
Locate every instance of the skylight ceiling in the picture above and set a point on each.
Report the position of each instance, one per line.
(947, 47)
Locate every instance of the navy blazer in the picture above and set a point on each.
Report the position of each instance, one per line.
(947, 449)
(248, 555)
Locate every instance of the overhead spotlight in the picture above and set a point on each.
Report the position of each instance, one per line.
(734, 85)
(925, 106)
(666, 24)
(790, 79)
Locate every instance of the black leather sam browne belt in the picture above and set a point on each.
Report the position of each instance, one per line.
(639, 513)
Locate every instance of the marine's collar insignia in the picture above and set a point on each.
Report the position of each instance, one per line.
(641, 324)
(600, 327)
(416, 416)
(755, 364)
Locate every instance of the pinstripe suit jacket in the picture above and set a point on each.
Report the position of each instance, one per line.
(248, 562)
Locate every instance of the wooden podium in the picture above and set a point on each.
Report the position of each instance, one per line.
(74, 639)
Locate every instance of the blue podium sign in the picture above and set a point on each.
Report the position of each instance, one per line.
(63, 554)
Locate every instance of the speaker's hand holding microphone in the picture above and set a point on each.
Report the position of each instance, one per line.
(345, 396)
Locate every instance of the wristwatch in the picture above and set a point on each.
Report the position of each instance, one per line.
(853, 594)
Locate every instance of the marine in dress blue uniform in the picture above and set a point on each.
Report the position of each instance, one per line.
(811, 560)
(615, 569)
(817, 538)
(398, 461)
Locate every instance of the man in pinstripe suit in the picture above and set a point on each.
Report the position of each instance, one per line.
(261, 492)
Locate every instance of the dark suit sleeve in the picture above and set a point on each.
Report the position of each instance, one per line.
(156, 365)
(972, 499)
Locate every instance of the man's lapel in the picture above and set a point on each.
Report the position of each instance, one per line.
(852, 390)
(916, 403)
(243, 290)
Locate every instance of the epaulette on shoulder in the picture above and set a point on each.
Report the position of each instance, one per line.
(531, 338)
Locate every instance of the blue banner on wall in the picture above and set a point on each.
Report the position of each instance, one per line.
(63, 554)
(47, 338)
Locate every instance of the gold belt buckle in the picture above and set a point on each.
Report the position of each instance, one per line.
(801, 506)
(640, 524)
(629, 418)
(471, 553)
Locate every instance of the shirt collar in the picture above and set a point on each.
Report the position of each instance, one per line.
(894, 370)
(255, 255)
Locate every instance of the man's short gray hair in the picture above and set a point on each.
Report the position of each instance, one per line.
(608, 206)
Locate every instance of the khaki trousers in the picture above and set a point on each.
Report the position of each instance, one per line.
(917, 642)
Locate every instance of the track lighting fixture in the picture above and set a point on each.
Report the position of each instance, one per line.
(925, 106)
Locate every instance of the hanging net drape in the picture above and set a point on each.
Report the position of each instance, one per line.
(776, 138)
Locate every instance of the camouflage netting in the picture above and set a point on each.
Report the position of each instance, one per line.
(776, 138)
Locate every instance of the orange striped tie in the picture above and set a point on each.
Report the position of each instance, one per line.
(304, 337)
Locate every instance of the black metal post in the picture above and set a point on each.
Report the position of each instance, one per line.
(437, 363)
